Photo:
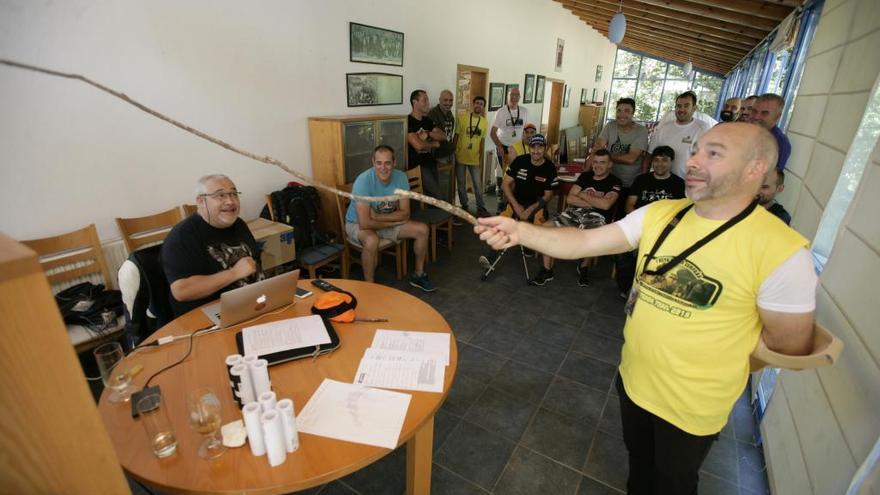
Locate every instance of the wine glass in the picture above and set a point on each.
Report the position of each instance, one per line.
(204, 418)
(109, 356)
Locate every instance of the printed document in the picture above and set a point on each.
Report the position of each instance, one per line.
(401, 370)
(416, 342)
(284, 335)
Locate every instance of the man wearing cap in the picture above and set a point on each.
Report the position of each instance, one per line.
(521, 147)
(507, 129)
(470, 134)
(369, 223)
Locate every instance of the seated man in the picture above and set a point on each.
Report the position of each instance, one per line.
(591, 204)
(212, 251)
(368, 223)
(521, 147)
(774, 183)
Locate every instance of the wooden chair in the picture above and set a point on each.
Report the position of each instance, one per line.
(188, 209)
(435, 218)
(386, 246)
(313, 257)
(149, 230)
(75, 257)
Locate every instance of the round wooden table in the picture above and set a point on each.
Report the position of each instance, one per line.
(319, 459)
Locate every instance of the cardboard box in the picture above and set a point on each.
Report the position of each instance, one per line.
(275, 241)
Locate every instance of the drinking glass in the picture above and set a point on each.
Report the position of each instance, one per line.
(152, 413)
(204, 417)
(109, 356)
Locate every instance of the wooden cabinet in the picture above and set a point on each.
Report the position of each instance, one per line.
(591, 118)
(342, 148)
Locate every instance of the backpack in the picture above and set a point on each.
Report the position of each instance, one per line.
(299, 206)
(90, 305)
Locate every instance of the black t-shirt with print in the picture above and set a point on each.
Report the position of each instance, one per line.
(530, 181)
(648, 188)
(599, 189)
(414, 158)
(194, 247)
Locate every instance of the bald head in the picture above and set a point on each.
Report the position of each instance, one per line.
(732, 107)
(446, 100)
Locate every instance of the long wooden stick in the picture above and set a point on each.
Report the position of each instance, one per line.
(398, 193)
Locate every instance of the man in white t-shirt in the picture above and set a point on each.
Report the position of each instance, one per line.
(681, 134)
(507, 129)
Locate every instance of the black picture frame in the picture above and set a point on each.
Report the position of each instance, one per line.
(529, 89)
(566, 96)
(539, 89)
(583, 96)
(507, 88)
(369, 89)
(595, 94)
(496, 96)
(374, 45)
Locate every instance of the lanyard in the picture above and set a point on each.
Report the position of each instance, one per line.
(689, 251)
(471, 129)
(513, 120)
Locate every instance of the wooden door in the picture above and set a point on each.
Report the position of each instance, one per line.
(470, 82)
(555, 112)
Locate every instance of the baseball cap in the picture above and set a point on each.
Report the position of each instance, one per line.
(529, 126)
(538, 139)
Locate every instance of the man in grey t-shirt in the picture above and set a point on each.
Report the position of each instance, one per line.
(626, 141)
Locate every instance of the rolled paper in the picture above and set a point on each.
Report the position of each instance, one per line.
(232, 360)
(273, 434)
(288, 420)
(243, 389)
(268, 400)
(260, 377)
(249, 360)
(252, 424)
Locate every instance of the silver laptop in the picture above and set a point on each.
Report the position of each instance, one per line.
(252, 300)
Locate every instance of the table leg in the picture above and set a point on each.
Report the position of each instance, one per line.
(419, 456)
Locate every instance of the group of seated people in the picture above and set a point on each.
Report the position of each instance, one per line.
(213, 250)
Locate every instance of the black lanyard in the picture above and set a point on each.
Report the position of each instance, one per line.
(689, 251)
(513, 120)
(473, 130)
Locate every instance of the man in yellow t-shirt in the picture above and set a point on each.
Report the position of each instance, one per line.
(715, 274)
(470, 133)
(521, 147)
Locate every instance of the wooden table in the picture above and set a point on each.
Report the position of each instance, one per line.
(568, 174)
(319, 459)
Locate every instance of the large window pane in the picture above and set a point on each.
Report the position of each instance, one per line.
(648, 99)
(621, 88)
(627, 64)
(670, 92)
(707, 89)
(676, 72)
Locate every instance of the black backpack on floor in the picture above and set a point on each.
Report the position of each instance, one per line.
(299, 206)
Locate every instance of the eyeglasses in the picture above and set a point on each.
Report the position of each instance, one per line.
(222, 195)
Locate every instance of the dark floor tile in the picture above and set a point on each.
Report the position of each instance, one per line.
(495, 338)
(517, 320)
(385, 476)
(574, 400)
(553, 333)
(597, 346)
(334, 488)
(477, 363)
(463, 326)
(504, 414)
(608, 461)
(464, 392)
(711, 485)
(529, 473)
(530, 298)
(562, 312)
(744, 423)
(444, 423)
(609, 302)
(590, 486)
(524, 382)
(445, 482)
(727, 431)
(539, 355)
(609, 326)
(589, 371)
(475, 454)
(559, 437)
(722, 460)
(752, 471)
(611, 422)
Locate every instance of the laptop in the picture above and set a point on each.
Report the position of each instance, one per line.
(252, 300)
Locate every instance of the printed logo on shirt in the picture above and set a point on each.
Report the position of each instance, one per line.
(619, 148)
(540, 179)
(227, 255)
(649, 196)
(685, 286)
(522, 174)
(386, 206)
(687, 140)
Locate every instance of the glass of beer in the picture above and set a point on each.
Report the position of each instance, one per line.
(204, 417)
(109, 358)
(152, 413)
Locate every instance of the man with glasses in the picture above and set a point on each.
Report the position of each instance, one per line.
(506, 130)
(212, 251)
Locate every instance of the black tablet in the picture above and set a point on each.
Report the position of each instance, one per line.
(303, 352)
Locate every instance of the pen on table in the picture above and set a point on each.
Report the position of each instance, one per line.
(369, 320)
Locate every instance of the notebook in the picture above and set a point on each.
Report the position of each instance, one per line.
(252, 300)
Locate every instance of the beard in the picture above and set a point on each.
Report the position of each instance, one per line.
(726, 116)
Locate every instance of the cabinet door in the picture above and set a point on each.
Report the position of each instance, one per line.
(358, 139)
(393, 133)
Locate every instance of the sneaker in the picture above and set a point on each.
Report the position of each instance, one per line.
(422, 282)
(485, 262)
(542, 277)
(483, 213)
(583, 279)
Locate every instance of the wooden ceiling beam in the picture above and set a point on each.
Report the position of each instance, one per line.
(787, 3)
(662, 42)
(707, 12)
(766, 10)
(719, 45)
(677, 56)
(675, 18)
(661, 24)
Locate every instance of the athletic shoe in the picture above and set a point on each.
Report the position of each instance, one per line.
(485, 262)
(583, 280)
(422, 282)
(542, 277)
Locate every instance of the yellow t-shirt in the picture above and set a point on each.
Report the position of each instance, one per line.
(687, 343)
(520, 148)
(471, 130)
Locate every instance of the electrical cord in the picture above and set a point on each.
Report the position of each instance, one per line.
(188, 352)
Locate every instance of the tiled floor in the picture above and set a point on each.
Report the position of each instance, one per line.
(533, 409)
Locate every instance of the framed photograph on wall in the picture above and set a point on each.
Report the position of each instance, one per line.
(539, 89)
(507, 89)
(583, 96)
(560, 48)
(566, 95)
(366, 89)
(372, 45)
(598, 73)
(595, 94)
(496, 96)
(529, 89)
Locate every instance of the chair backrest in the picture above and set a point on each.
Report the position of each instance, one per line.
(145, 231)
(414, 176)
(341, 208)
(270, 208)
(71, 256)
(188, 209)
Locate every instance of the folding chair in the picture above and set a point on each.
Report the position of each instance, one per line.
(491, 266)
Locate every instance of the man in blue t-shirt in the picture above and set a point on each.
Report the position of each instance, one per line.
(367, 223)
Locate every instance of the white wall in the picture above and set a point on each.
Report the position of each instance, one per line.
(249, 73)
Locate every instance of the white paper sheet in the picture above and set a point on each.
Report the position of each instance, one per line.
(284, 335)
(418, 342)
(355, 414)
(401, 370)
